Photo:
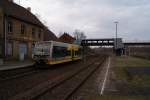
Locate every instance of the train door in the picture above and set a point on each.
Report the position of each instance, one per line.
(72, 54)
(73, 51)
(70, 49)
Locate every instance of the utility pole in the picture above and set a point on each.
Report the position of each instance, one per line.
(116, 22)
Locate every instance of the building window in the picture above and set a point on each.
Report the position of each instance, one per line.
(23, 29)
(39, 34)
(10, 27)
(33, 32)
(9, 49)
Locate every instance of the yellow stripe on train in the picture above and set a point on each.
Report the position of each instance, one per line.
(52, 62)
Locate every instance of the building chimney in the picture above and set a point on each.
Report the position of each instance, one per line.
(29, 9)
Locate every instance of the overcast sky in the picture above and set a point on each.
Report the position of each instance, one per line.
(95, 17)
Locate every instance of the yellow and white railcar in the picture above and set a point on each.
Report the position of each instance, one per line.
(52, 52)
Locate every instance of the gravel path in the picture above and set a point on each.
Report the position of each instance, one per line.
(93, 85)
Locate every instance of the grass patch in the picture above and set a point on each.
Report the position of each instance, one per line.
(138, 83)
(121, 73)
(124, 61)
(140, 80)
(117, 98)
(130, 84)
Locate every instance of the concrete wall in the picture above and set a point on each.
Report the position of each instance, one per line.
(139, 51)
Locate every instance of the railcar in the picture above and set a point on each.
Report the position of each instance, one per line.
(52, 52)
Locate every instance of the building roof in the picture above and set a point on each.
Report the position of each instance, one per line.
(13, 10)
(49, 35)
(66, 38)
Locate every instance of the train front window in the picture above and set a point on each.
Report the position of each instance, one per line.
(42, 48)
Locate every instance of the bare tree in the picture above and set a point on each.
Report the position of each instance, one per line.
(79, 35)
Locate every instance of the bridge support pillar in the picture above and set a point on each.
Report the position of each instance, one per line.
(119, 51)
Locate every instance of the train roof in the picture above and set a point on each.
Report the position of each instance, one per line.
(61, 44)
(56, 42)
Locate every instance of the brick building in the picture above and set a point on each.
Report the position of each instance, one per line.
(19, 29)
(66, 38)
(49, 35)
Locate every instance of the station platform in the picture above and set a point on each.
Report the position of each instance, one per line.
(9, 65)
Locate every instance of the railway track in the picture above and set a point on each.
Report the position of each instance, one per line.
(18, 73)
(67, 87)
(33, 85)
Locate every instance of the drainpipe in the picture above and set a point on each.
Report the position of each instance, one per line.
(5, 37)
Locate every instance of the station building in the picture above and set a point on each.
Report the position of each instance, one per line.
(19, 29)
